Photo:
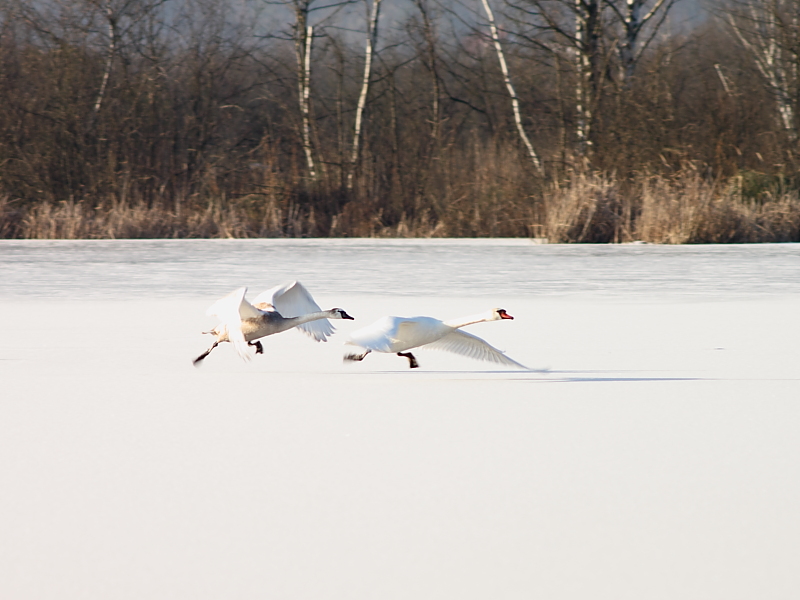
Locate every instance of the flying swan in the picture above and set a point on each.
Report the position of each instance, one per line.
(398, 334)
(278, 309)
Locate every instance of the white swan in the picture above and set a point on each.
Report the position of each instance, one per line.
(278, 309)
(398, 334)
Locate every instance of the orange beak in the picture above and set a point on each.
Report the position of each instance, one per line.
(505, 315)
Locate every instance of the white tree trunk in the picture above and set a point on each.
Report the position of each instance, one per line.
(372, 32)
(304, 103)
(582, 80)
(112, 47)
(302, 49)
(511, 92)
(722, 79)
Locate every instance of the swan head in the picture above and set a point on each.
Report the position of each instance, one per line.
(500, 313)
(338, 313)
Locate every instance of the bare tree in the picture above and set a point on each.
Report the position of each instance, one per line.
(112, 45)
(573, 30)
(633, 20)
(587, 37)
(303, 35)
(430, 60)
(770, 31)
(119, 18)
(590, 35)
(371, 39)
(511, 92)
(304, 82)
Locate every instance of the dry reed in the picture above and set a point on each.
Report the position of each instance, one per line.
(686, 208)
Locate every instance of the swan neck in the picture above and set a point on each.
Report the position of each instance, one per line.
(464, 321)
(315, 316)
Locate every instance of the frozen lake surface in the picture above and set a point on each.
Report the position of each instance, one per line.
(658, 457)
(128, 269)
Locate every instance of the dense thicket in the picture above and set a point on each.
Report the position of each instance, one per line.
(142, 118)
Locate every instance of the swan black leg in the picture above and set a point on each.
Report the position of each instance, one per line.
(412, 362)
(259, 348)
(197, 360)
(356, 357)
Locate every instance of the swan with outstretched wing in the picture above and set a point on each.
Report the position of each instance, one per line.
(281, 308)
(399, 334)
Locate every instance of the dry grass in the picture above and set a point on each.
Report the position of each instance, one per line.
(693, 211)
(684, 209)
(585, 207)
(121, 220)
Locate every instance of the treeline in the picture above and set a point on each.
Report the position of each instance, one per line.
(575, 121)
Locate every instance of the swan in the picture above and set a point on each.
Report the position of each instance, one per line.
(398, 334)
(278, 309)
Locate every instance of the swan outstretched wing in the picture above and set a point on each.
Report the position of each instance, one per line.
(292, 299)
(466, 344)
(231, 310)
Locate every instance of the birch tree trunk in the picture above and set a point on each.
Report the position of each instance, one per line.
(372, 33)
(112, 47)
(305, 108)
(633, 21)
(302, 45)
(587, 17)
(121, 18)
(760, 27)
(511, 92)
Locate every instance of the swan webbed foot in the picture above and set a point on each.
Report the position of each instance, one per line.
(257, 345)
(200, 358)
(412, 362)
(355, 357)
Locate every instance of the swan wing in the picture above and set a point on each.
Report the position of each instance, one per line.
(466, 344)
(233, 304)
(231, 310)
(396, 334)
(236, 337)
(378, 337)
(292, 299)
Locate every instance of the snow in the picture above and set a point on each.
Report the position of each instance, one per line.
(656, 458)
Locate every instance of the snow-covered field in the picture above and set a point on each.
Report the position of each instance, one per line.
(658, 457)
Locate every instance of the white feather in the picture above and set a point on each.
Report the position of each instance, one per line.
(466, 344)
(398, 334)
(292, 299)
(231, 310)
